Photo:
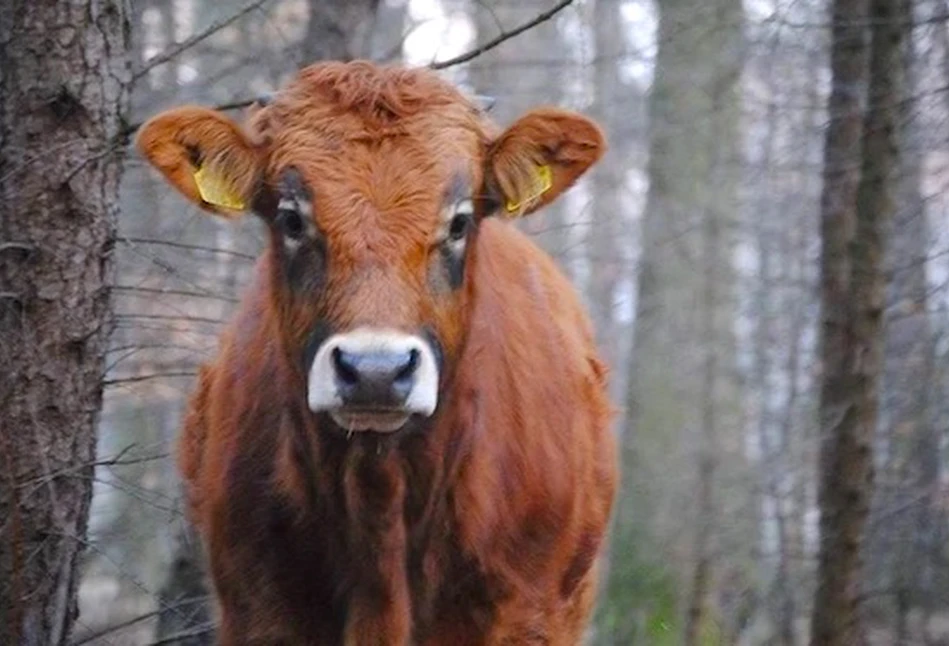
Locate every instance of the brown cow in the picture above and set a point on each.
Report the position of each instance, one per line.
(404, 438)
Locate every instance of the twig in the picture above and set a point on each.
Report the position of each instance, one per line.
(191, 632)
(503, 36)
(235, 105)
(177, 48)
(172, 292)
(140, 618)
(190, 247)
(160, 375)
(117, 460)
(169, 317)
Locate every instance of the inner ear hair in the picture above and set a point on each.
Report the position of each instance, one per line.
(515, 172)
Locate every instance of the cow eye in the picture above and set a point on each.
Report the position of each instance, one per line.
(291, 223)
(461, 221)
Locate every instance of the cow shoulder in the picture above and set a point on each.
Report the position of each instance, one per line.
(539, 418)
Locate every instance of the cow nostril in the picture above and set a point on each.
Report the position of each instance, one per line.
(407, 370)
(345, 369)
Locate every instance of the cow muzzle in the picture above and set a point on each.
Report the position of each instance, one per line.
(373, 379)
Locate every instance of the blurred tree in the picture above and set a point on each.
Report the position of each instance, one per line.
(338, 30)
(63, 79)
(905, 524)
(857, 204)
(681, 390)
(607, 212)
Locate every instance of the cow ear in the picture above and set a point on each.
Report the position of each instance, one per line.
(204, 155)
(540, 156)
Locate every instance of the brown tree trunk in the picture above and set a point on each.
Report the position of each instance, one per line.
(904, 518)
(856, 208)
(63, 76)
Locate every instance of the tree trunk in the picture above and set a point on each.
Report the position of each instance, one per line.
(607, 213)
(63, 77)
(855, 216)
(900, 557)
(185, 619)
(676, 398)
(708, 452)
(338, 30)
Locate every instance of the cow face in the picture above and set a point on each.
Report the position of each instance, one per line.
(372, 182)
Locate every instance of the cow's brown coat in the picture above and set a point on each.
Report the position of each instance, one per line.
(483, 526)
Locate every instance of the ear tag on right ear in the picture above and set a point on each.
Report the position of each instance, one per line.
(215, 191)
(545, 180)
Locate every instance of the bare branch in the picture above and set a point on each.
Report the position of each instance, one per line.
(191, 632)
(503, 36)
(138, 619)
(190, 247)
(138, 378)
(118, 459)
(177, 48)
(238, 104)
(172, 292)
(169, 317)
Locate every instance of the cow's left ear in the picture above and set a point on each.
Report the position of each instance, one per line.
(540, 156)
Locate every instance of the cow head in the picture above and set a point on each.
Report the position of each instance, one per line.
(372, 182)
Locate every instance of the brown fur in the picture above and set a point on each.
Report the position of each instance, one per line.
(483, 527)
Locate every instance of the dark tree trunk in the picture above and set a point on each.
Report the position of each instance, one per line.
(63, 76)
(856, 209)
(338, 30)
(185, 618)
(904, 517)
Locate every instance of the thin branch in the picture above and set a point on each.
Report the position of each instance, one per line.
(177, 48)
(169, 317)
(138, 378)
(140, 618)
(191, 632)
(172, 292)
(503, 36)
(235, 105)
(118, 460)
(190, 247)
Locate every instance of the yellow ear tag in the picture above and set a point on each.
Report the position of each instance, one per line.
(545, 180)
(214, 191)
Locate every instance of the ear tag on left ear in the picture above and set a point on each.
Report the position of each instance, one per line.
(215, 191)
(545, 180)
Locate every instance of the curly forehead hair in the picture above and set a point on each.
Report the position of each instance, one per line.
(379, 99)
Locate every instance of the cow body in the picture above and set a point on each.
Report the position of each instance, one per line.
(477, 524)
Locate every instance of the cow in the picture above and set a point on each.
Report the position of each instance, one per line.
(404, 437)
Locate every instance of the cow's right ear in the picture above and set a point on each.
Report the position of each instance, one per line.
(205, 156)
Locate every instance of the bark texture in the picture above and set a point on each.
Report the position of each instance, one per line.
(857, 204)
(906, 524)
(63, 76)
